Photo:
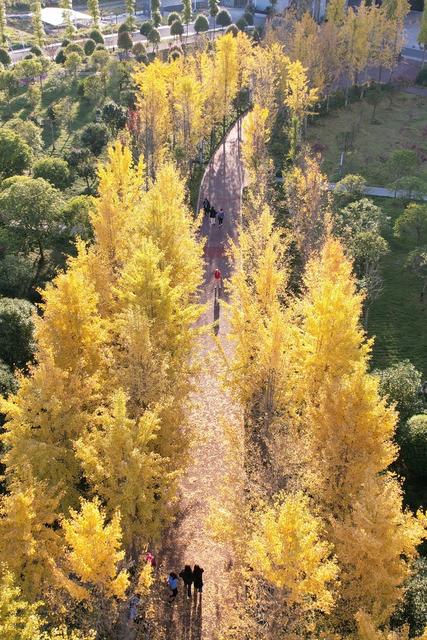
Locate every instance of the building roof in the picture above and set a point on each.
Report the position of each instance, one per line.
(55, 16)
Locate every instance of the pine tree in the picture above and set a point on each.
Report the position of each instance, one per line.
(94, 12)
(36, 18)
(186, 13)
(130, 10)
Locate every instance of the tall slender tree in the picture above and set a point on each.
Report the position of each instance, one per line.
(36, 19)
(94, 12)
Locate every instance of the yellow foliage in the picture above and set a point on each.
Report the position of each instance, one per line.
(227, 72)
(287, 550)
(29, 543)
(118, 460)
(299, 97)
(256, 135)
(19, 620)
(94, 550)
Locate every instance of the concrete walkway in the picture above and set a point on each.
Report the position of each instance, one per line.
(382, 192)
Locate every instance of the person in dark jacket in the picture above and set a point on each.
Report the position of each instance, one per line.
(206, 206)
(187, 576)
(198, 578)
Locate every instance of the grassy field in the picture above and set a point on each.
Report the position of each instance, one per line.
(400, 122)
(398, 319)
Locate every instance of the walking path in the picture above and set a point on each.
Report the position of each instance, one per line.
(382, 192)
(190, 539)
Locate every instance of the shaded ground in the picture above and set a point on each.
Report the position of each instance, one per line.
(190, 540)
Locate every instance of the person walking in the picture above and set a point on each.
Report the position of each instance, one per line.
(173, 585)
(217, 282)
(212, 215)
(187, 576)
(220, 217)
(198, 578)
(206, 206)
(134, 604)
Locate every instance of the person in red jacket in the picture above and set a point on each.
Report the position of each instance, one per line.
(217, 281)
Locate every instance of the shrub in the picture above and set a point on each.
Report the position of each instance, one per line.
(16, 274)
(114, 116)
(5, 58)
(145, 28)
(65, 42)
(201, 24)
(74, 47)
(413, 610)
(249, 17)
(100, 47)
(172, 17)
(123, 27)
(96, 36)
(223, 18)
(54, 170)
(89, 47)
(16, 332)
(232, 29)
(60, 57)
(35, 49)
(241, 24)
(139, 49)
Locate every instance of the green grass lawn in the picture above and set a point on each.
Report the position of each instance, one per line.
(400, 122)
(398, 319)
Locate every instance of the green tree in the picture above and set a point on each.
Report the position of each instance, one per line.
(177, 29)
(223, 18)
(213, 10)
(145, 28)
(115, 116)
(349, 189)
(72, 63)
(400, 384)
(413, 223)
(97, 36)
(413, 610)
(413, 443)
(130, 10)
(16, 275)
(75, 215)
(2, 26)
(154, 38)
(30, 210)
(157, 19)
(54, 170)
(186, 13)
(201, 24)
(8, 383)
(94, 12)
(15, 154)
(124, 41)
(67, 6)
(29, 131)
(36, 19)
(417, 263)
(94, 136)
(402, 162)
(16, 332)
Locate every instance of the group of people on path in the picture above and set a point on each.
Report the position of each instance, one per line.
(189, 577)
(213, 213)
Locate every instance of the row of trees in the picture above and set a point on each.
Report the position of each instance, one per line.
(324, 543)
(97, 433)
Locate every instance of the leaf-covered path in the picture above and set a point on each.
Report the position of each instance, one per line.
(191, 539)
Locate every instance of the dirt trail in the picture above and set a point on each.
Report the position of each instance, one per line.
(190, 540)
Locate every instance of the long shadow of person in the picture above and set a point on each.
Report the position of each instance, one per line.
(216, 316)
(196, 622)
(186, 613)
